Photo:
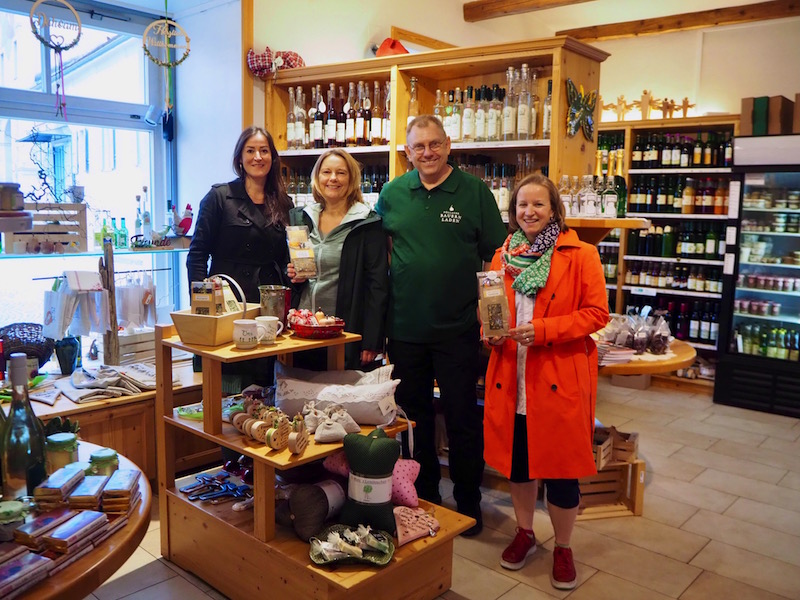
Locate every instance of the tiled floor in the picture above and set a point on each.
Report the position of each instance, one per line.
(721, 518)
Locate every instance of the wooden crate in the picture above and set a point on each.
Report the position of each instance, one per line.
(135, 347)
(616, 491)
(612, 447)
(602, 447)
(61, 223)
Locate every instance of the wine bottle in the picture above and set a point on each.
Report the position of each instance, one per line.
(481, 115)
(694, 323)
(23, 437)
(341, 120)
(330, 124)
(636, 155)
(495, 117)
(456, 116)
(468, 117)
(413, 102)
(291, 117)
(376, 126)
(319, 119)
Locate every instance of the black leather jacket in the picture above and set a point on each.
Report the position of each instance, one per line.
(234, 233)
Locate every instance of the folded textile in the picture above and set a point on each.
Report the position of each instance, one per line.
(87, 394)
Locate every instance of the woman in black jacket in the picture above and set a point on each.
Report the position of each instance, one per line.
(241, 225)
(351, 252)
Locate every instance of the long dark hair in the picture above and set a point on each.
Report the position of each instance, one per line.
(277, 201)
(552, 192)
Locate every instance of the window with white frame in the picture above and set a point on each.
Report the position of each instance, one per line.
(98, 144)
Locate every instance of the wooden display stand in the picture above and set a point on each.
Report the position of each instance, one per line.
(242, 553)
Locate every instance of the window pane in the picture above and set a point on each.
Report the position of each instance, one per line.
(105, 66)
(20, 54)
(48, 158)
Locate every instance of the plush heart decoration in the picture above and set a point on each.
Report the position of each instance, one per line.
(309, 507)
(372, 458)
(414, 523)
(404, 475)
(267, 64)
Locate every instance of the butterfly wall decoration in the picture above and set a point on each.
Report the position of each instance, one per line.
(581, 111)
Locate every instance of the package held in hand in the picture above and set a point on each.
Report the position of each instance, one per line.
(493, 304)
(301, 251)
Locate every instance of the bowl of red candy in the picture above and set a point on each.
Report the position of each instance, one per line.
(314, 326)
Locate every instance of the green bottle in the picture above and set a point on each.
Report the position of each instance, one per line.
(122, 236)
(23, 439)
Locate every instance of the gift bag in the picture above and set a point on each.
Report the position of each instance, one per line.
(59, 306)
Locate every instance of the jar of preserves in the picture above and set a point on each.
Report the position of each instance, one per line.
(12, 515)
(60, 450)
(104, 461)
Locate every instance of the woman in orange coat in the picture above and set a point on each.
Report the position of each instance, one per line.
(541, 382)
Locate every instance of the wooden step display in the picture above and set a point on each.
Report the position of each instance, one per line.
(62, 224)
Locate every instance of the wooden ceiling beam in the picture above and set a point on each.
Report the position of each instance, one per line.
(480, 10)
(763, 11)
(412, 37)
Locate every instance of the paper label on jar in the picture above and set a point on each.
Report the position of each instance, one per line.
(369, 490)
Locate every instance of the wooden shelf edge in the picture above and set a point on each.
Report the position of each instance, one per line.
(673, 382)
(703, 121)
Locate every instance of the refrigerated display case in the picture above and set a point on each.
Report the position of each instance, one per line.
(759, 365)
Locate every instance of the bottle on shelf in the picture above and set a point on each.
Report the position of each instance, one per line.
(438, 107)
(610, 199)
(376, 123)
(23, 440)
(122, 235)
(698, 150)
(525, 109)
(456, 116)
(547, 111)
(329, 135)
(576, 198)
(509, 109)
(481, 115)
(386, 125)
(636, 153)
(320, 110)
(468, 117)
(588, 197)
(564, 194)
(495, 120)
(350, 121)
(363, 117)
(300, 130)
(413, 102)
(291, 117)
(137, 224)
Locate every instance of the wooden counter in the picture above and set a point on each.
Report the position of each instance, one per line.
(127, 423)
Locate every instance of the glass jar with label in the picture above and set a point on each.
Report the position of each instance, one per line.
(12, 515)
(61, 449)
(104, 461)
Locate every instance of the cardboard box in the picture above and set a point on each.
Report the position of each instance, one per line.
(746, 117)
(760, 115)
(207, 298)
(796, 117)
(780, 115)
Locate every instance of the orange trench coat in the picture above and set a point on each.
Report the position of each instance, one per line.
(561, 369)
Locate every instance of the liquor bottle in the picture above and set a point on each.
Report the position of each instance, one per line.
(413, 103)
(682, 322)
(694, 323)
(708, 150)
(719, 198)
(705, 324)
(547, 111)
(565, 196)
(588, 197)
(620, 187)
(524, 112)
(676, 152)
(363, 116)
(291, 187)
(291, 117)
(636, 154)
(661, 195)
(456, 116)
(666, 153)
(330, 123)
(794, 346)
(495, 120)
(651, 196)
(319, 119)
(341, 120)
(438, 107)
(713, 334)
(697, 151)
(711, 244)
(114, 231)
(612, 160)
(137, 224)
(468, 117)
(727, 160)
(122, 236)
(610, 199)
(504, 193)
(509, 109)
(23, 440)
(376, 126)
(668, 243)
(481, 115)
(350, 111)
(708, 196)
(386, 124)
(300, 130)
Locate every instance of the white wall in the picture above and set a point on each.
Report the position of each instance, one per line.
(209, 99)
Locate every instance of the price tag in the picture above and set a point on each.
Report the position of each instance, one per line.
(727, 267)
(730, 236)
(643, 291)
(734, 194)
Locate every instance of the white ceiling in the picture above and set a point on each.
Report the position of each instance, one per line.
(596, 12)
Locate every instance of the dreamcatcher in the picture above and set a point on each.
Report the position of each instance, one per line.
(163, 33)
(42, 26)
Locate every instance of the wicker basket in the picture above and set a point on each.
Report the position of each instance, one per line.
(27, 338)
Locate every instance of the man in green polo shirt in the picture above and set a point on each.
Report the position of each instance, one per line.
(443, 225)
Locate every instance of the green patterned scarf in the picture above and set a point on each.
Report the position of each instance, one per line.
(529, 264)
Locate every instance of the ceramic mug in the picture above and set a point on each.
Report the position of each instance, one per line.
(272, 326)
(247, 333)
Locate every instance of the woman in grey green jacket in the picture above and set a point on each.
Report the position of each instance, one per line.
(351, 252)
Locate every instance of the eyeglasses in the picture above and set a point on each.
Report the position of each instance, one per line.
(434, 146)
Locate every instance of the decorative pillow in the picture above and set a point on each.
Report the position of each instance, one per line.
(404, 475)
(414, 523)
(368, 404)
(346, 377)
(309, 506)
(372, 459)
(267, 64)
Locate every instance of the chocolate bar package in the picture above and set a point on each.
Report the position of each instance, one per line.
(493, 304)
(87, 494)
(82, 526)
(30, 534)
(121, 483)
(21, 572)
(59, 484)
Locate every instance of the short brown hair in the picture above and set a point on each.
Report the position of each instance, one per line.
(353, 186)
(555, 201)
(425, 121)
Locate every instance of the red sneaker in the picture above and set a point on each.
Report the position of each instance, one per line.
(564, 576)
(520, 548)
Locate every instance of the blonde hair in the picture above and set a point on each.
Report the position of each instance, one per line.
(353, 185)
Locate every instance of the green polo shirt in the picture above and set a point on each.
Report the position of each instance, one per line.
(440, 239)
